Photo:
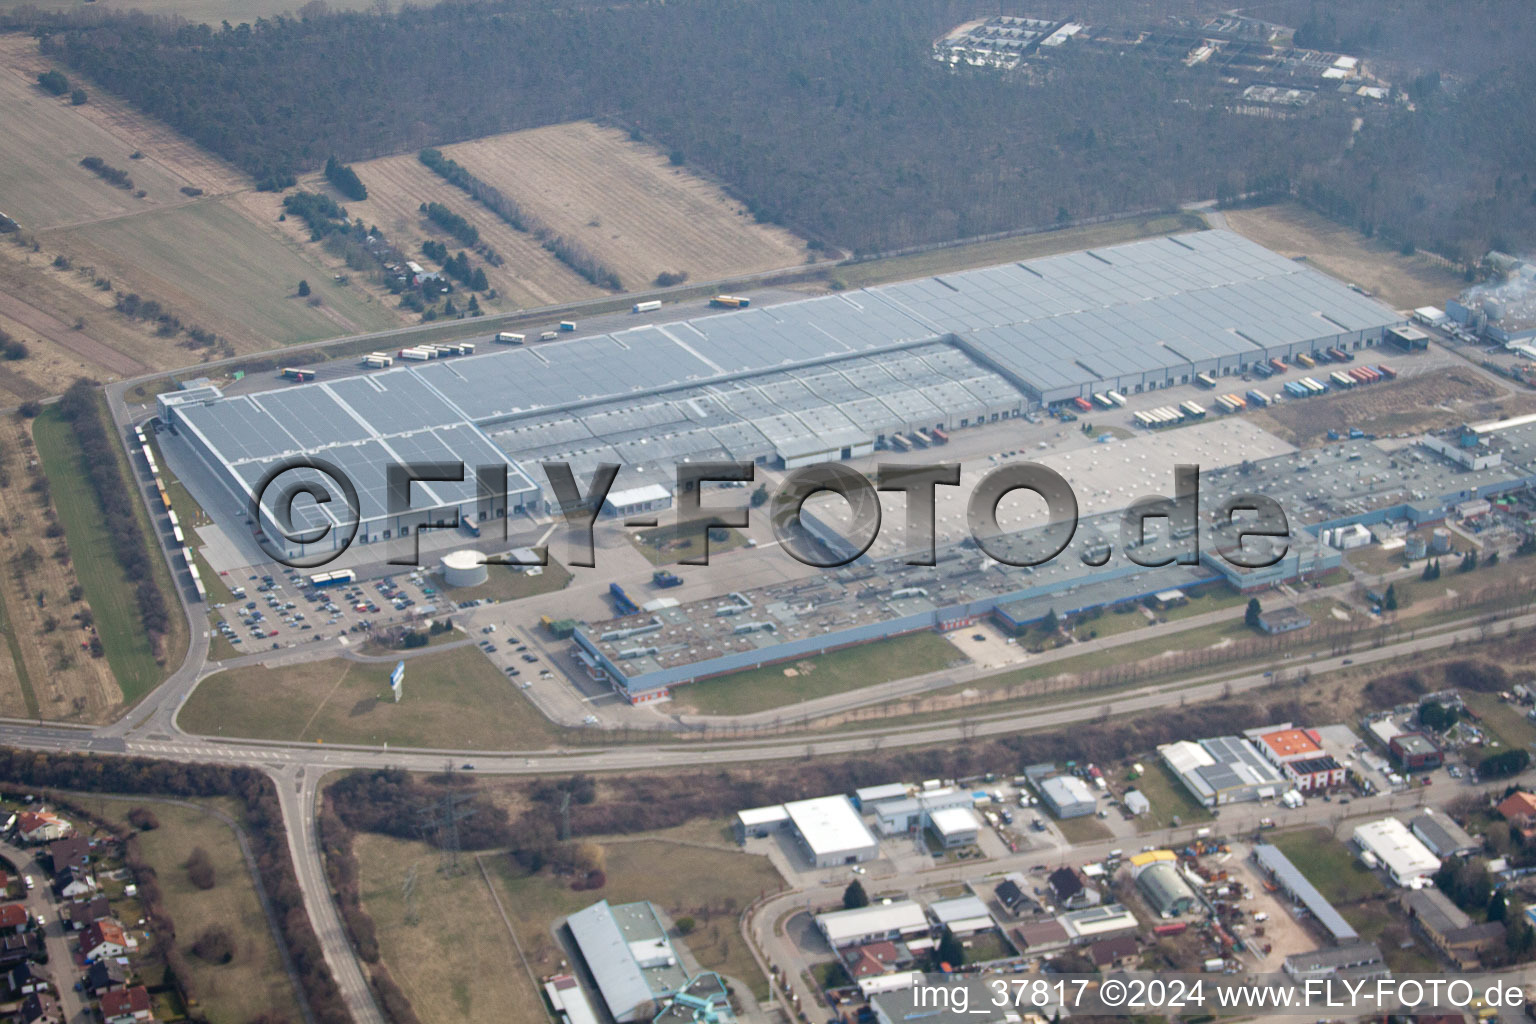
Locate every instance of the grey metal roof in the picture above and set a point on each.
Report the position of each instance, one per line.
(844, 368)
(1290, 878)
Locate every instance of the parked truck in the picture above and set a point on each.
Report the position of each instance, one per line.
(730, 302)
(649, 306)
(508, 338)
(1257, 398)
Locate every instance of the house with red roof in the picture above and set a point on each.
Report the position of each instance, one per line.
(103, 939)
(126, 1005)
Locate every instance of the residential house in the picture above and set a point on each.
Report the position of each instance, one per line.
(41, 827)
(15, 949)
(1519, 809)
(83, 912)
(25, 979)
(1012, 893)
(103, 939)
(14, 918)
(73, 851)
(72, 882)
(1072, 889)
(1041, 936)
(1116, 952)
(40, 1008)
(873, 959)
(126, 1006)
(104, 976)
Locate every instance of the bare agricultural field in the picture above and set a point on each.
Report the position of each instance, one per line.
(41, 179)
(213, 265)
(398, 185)
(211, 12)
(44, 673)
(1431, 401)
(625, 203)
(1403, 282)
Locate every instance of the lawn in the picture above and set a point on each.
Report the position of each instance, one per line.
(761, 689)
(1329, 865)
(107, 587)
(1087, 829)
(987, 946)
(1169, 799)
(1506, 722)
(457, 962)
(253, 982)
(217, 267)
(454, 698)
(660, 544)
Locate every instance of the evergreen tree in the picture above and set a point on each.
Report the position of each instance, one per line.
(854, 896)
(950, 951)
(1251, 617)
(1389, 602)
(477, 280)
(303, 289)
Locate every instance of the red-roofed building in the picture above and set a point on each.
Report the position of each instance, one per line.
(1519, 809)
(104, 938)
(126, 1005)
(873, 959)
(14, 918)
(41, 826)
(1289, 744)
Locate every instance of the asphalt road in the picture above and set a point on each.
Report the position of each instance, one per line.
(297, 769)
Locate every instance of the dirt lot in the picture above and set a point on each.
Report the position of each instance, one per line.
(627, 204)
(398, 185)
(44, 673)
(1403, 282)
(1431, 401)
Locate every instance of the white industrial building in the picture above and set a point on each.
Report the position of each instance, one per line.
(1389, 843)
(626, 951)
(1095, 923)
(1222, 770)
(908, 814)
(828, 828)
(1068, 796)
(634, 500)
(757, 822)
(866, 797)
(464, 568)
(878, 922)
(831, 831)
(955, 826)
(963, 915)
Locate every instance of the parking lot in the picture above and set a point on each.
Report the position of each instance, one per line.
(271, 611)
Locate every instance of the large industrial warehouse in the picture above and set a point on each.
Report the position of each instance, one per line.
(803, 382)
(644, 654)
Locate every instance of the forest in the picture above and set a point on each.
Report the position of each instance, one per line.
(831, 119)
